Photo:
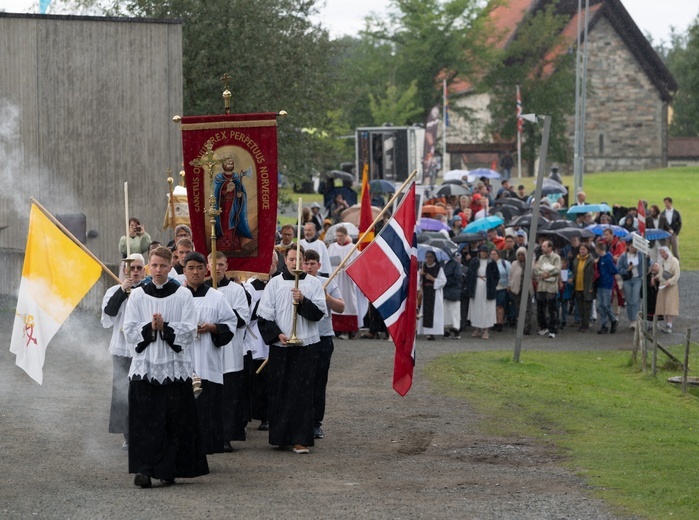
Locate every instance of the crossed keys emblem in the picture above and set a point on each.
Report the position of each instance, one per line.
(28, 320)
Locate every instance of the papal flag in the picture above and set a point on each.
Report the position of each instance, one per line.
(56, 276)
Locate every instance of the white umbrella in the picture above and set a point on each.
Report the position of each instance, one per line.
(352, 231)
(455, 175)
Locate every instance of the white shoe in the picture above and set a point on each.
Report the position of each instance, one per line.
(552, 335)
(543, 332)
(343, 336)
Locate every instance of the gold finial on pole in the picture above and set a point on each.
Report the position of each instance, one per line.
(208, 161)
(182, 176)
(171, 182)
(226, 93)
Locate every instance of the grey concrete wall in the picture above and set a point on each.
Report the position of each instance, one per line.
(86, 104)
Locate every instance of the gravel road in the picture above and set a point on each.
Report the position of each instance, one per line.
(422, 456)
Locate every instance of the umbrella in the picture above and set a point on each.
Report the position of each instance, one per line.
(381, 186)
(589, 208)
(526, 221)
(457, 182)
(551, 187)
(656, 234)
(431, 224)
(484, 224)
(353, 214)
(432, 209)
(511, 201)
(425, 236)
(339, 174)
(352, 231)
(442, 243)
(476, 174)
(468, 237)
(558, 224)
(455, 175)
(506, 212)
(451, 190)
(441, 254)
(569, 233)
(598, 229)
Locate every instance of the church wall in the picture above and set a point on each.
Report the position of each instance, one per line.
(86, 104)
(626, 120)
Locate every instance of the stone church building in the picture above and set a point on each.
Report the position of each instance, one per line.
(629, 91)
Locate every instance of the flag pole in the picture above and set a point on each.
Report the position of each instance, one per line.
(75, 240)
(378, 217)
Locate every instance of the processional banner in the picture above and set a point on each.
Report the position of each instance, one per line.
(233, 158)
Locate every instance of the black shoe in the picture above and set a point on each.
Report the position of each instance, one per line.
(264, 426)
(142, 480)
(430, 337)
(167, 481)
(318, 432)
(527, 332)
(228, 447)
(612, 329)
(446, 334)
(603, 330)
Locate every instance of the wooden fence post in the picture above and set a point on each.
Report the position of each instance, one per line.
(685, 368)
(655, 346)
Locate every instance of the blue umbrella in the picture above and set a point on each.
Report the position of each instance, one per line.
(432, 224)
(381, 186)
(598, 229)
(590, 208)
(657, 234)
(483, 224)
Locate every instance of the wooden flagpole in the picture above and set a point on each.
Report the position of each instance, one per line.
(72, 237)
(368, 230)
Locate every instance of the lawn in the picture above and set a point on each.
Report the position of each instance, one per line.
(633, 438)
(626, 188)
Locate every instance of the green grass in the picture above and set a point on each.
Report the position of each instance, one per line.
(626, 188)
(632, 437)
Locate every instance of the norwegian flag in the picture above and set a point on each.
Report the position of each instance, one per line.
(520, 121)
(386, 272)
(641, 216)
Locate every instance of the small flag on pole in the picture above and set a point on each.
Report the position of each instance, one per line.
(520, 121)
(641, 216)
(57, 274)
(394, 292)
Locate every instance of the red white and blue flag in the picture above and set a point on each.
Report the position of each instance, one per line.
(520, 121)
(386, 272)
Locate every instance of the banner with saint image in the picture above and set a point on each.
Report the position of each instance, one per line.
(242, 152)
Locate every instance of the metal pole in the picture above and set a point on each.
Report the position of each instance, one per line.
(583, 103)
(532, 236)
(577, 181)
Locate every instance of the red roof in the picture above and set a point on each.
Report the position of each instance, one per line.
(683, 148)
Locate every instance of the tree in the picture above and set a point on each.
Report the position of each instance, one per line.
(682, 58)
(396, 108)
(430, 40)
(545, 73)
(278, 58)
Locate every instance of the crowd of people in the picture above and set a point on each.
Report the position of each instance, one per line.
(577, 279)
(193, 366)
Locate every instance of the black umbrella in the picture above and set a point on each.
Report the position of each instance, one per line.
(550, 213)
(457, 182)
(511, 201)
(508, 212)
(452, 190)
(442, 243)
(339, 174)
(468, 237)
(569, 233)
(426, 236)
(526, 221)
(550, 187)
(381, 186)
(559, 224)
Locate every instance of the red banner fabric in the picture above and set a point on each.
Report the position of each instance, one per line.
(243, 183)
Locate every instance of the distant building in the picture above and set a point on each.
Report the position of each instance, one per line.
(683, 151)
(630, 88)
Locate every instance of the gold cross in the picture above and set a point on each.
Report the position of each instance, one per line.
(208, 159)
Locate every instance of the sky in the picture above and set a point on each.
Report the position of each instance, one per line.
(347, 17)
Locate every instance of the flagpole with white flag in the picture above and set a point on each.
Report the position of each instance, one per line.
(445, 125)
(519, 134)
(47, 294)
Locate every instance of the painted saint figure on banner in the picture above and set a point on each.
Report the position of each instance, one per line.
(232, 227)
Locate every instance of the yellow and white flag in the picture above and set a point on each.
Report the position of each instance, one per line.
(57, 274)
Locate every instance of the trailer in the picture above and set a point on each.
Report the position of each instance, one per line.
(392, 152)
